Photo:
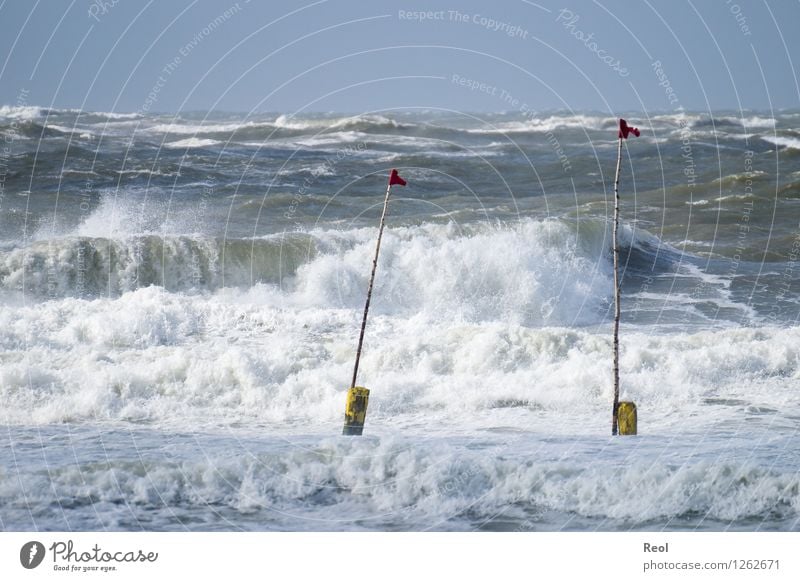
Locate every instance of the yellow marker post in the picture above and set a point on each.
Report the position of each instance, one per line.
(355, 411)
(627, 418)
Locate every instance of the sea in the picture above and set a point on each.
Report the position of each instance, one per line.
(181, 297)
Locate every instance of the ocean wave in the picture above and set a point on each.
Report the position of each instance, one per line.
(35, 112)
(682, 119)
(419, 146)
(362, 483)
(282, 126)
(63, 129)
(355, 122)
(541, 271)
(787, 142)
(91, 267)
(192, 142)
(722, 122)
(548, 124)
(262, 354)
(432, 269)
(22, 112)
(741, 178)
(758, 122)
(30, 129)
(111, 115)
(328, 139)
(178, 128)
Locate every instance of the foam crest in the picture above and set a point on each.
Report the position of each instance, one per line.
(26, 113)
(192, 142)
(547, 124)
(256, 356)
(536, 271)
(787, 142)
(348, 484)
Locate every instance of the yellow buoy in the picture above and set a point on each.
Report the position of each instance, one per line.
(355, 411)
(626, 416)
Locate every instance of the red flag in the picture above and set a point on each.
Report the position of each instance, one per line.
(625, 130)
(395, 179)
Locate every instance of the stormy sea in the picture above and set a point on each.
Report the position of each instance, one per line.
(181, 296)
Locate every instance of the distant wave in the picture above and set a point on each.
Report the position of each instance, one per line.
(787, 142)
(356, 122)
(115, 115)
(547, 124)
(321, 130)
(21, 112)
(34, 112)
(191, 142)
(281, 126)
(740, 178)
(721, 122)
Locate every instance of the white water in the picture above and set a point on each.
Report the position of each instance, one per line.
(196, 480)
(157, 374)
(167, 358)
(788, 142)
(219, 407)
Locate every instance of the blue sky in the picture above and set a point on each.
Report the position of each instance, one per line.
(333, 55)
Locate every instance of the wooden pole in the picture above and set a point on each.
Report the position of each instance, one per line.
(615, 408)
(371, 281)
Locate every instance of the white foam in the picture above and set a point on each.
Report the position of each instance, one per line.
(757, 122)
(23, 113)
(192, 142)
(482, 273)
(363, 483)
(115, 116)
(62, 128)
(787, 142)
(738, 177)
(301, 124)
(130, 212)
(682, 118)
(178, 128)
(270, 356)
(283, 122)
(545, 125)
(330, 139)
